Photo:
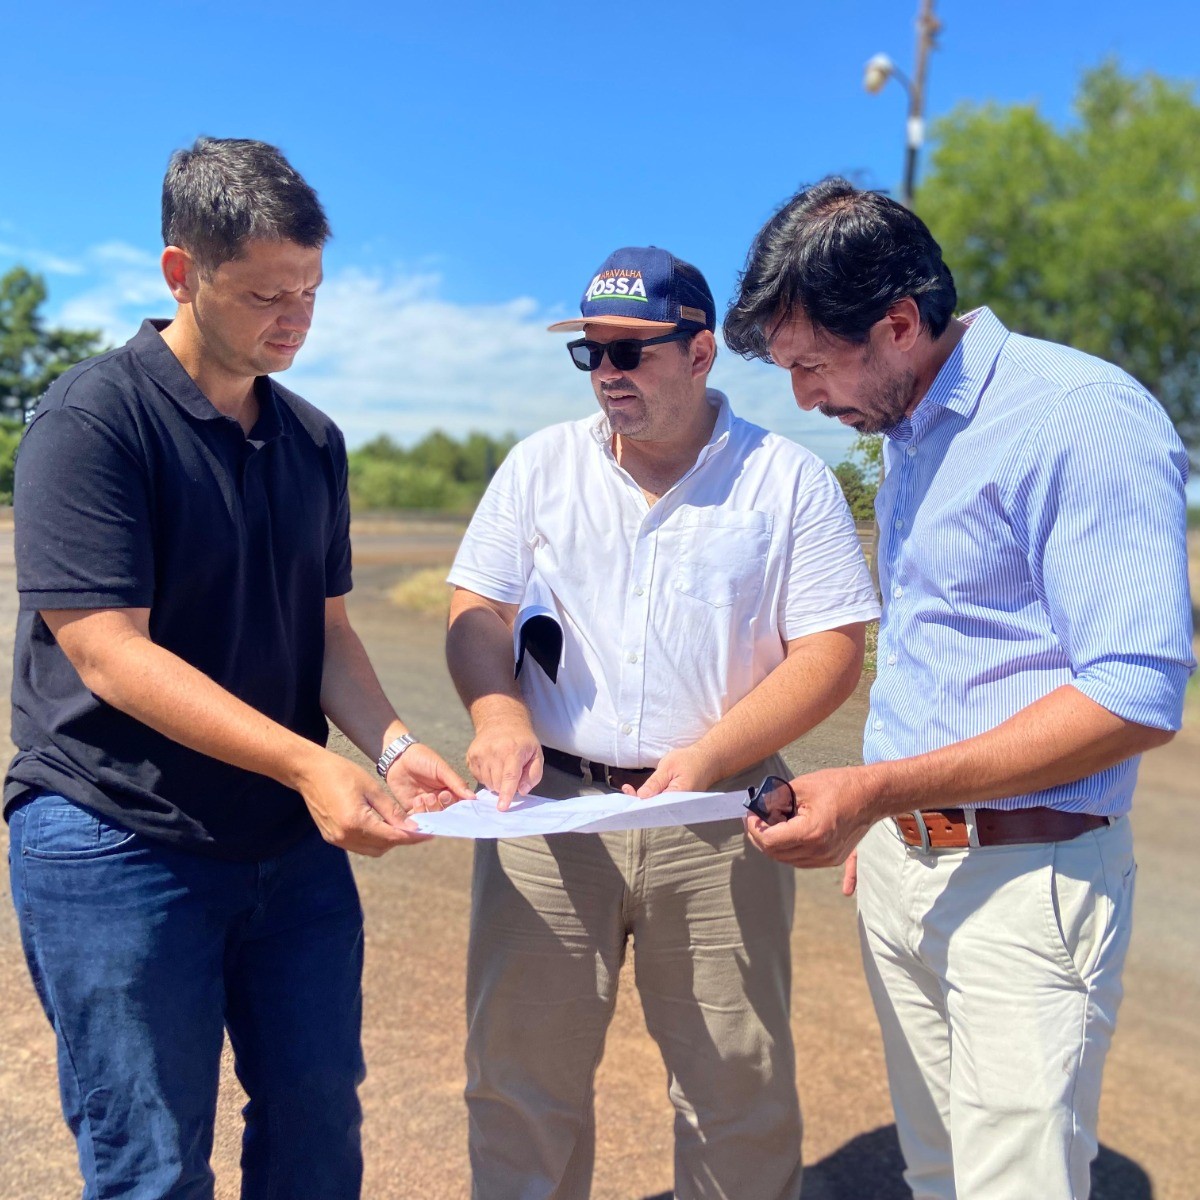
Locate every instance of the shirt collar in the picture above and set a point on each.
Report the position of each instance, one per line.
(958, 386)
(158, 360)
(601, 431)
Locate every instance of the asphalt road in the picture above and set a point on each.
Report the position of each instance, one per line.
(416, 906)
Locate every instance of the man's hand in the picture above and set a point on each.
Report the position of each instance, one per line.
(686, 770)
(506, 757)
(834, 809)
(351, 809)
(424, 782)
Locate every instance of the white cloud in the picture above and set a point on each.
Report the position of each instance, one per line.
(763, 394)
(387, 354)
(128, 287)
(40, 261)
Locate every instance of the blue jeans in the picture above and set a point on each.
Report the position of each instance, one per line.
(143, 954)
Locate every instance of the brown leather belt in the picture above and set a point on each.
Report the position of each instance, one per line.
(615, 777)
(949, 829)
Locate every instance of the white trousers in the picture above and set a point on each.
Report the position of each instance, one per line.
(996, 977)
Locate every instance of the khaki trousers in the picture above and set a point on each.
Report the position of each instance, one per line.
(710, 919)
(996, 976)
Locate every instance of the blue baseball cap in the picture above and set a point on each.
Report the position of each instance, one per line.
(645, 288)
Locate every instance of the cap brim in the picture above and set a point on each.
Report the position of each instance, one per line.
(613, 322)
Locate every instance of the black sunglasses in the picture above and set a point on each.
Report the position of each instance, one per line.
(773, 800)
(624, 354)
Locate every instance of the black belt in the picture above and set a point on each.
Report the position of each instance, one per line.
(615, 777)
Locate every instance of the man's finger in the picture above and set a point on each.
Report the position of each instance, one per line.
(421, 803)
(390, 809)
(412, 835)
(653, 786)
(450, 780)
(850, 875)
(754, 829)
(531, 775)
(535, 768)
(510, 782)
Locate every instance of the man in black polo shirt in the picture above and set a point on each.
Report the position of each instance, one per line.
(178, 829)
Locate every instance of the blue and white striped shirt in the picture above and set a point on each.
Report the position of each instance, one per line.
(1032, 534)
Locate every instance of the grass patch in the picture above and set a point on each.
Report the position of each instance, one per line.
(425, 592)
(1191, 696)
(869, 664)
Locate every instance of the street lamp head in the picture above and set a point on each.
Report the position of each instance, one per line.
(879, 70)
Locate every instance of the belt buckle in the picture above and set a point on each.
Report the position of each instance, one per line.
(595, 772)
(972, 825)
(923, 829)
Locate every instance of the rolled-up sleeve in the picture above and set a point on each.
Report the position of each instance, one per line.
(1100, 506)
(827, 584)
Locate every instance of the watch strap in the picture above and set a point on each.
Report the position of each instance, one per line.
(392, 751)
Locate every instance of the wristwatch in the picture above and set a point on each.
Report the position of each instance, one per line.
(392, 751)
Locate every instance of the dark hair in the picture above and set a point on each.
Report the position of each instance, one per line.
(225, 191)
(843, 257)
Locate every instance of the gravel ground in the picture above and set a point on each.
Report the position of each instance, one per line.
(416, 906)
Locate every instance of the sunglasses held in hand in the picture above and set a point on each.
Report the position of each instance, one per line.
(624, 354)
(773, 800)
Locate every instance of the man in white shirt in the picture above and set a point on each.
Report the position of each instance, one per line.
(712, 597)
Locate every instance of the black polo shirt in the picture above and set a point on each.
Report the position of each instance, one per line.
(133, 491)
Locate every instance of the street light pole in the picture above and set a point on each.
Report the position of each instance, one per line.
(881, 68)
(927, 31)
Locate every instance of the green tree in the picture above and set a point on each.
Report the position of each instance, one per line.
(10, 439)
(1087, 235)
(859, 488)
(32, 357)
(860, 474)
(438, 473)
(382, 447)
(377, 483)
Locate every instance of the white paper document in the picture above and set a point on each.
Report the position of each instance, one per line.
(533, 816)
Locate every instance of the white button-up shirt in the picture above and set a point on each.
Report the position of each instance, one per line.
(671, 612)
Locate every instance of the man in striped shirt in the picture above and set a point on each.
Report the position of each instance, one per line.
(1036, 639)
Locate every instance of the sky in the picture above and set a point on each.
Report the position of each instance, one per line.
(479, 160)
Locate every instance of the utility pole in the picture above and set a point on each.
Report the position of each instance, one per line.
(881, 68)
(927, 31)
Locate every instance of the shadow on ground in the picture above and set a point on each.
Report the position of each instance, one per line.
(869, 1167)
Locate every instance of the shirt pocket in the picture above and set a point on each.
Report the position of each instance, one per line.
(723, 556)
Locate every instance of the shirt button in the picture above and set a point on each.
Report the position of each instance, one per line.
(897, 592)
(892, 660)
(639, 591)
(878, 723)
(899, 522)
(912, 452)
(632, 657)
(626, 728)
